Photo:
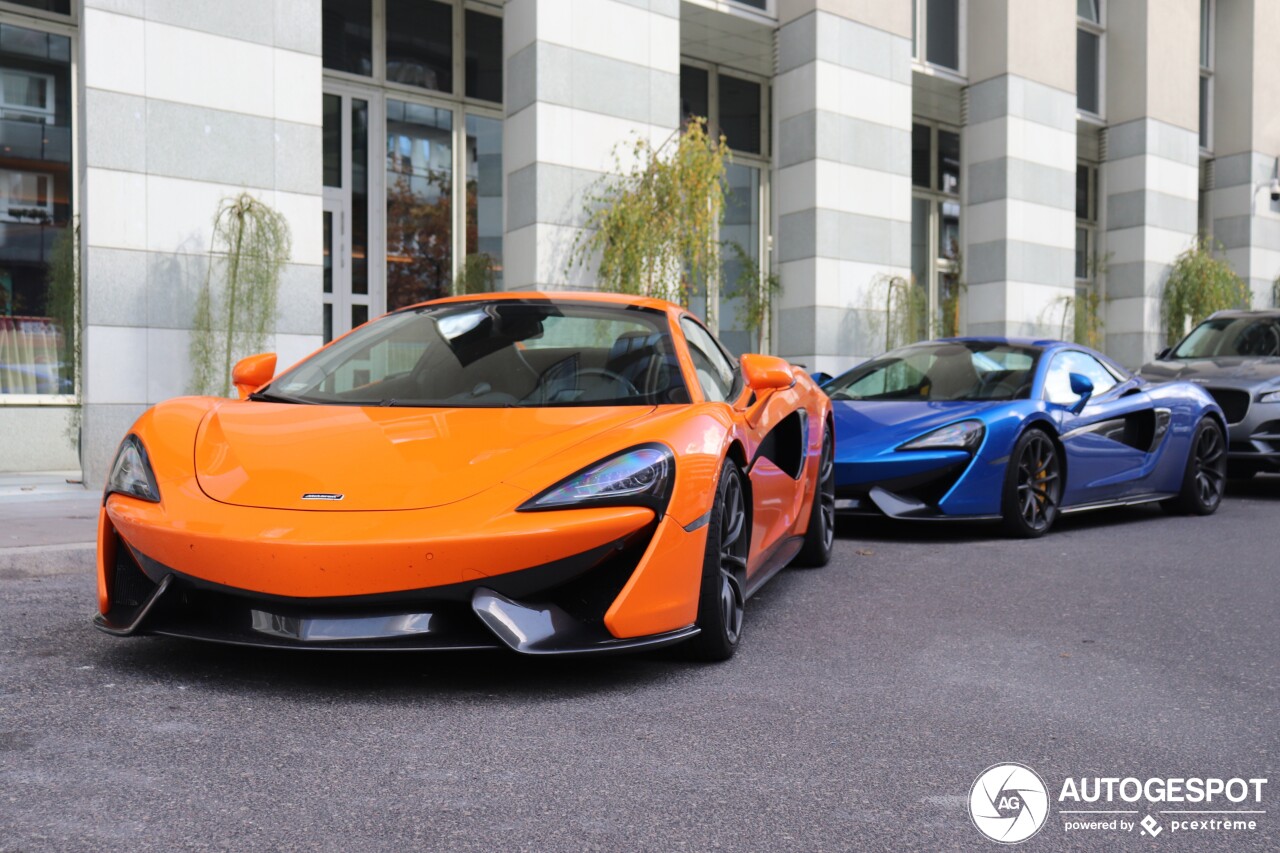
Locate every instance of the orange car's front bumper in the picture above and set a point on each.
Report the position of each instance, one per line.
(462, 575)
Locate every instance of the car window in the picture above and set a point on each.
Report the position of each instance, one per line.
(1232, 336)
(1057, 382)
(717, 374)
(946, 370)
(496, 353)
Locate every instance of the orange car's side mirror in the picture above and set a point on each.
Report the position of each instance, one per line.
(253, 372)
(766, 372)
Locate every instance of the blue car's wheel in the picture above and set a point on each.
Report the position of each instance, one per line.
(821, 532)
(1032, 485)
(1205, 477)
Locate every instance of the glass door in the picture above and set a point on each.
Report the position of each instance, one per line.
(348, 290)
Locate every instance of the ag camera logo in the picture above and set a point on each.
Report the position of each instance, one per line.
(1008, 802)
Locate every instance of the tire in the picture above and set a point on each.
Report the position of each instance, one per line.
(1205, 477)
(724, 565)
(1032, 485)
(821, 532)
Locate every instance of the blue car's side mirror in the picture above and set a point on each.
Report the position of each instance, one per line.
(820, 377)
(1080, 385)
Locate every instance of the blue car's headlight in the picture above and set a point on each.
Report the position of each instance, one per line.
(965, 435)
(131, 473)
(638, 476)
(1269, 397)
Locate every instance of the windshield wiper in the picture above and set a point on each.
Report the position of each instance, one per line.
(268, 397)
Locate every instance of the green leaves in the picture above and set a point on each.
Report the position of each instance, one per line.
(652, 227)
(1199, 284)
(236, 310)
(756, 292)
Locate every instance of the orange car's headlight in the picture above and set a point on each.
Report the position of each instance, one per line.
(131, 472)
(638, 476)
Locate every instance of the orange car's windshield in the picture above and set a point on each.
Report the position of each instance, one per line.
(495, 353)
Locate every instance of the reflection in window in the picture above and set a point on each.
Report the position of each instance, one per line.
(942, 42)
(948, 161)
(741, 229)
(482, 268)
(694, 100)
(420, 44)
(920, 154)
(484, 56)
(1088, 47)
(740, 113)
(36, 307)
(948, 229)
(419, 183)
(347, 36)
(359, 196)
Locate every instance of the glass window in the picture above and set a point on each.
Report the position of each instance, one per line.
(482, 269)
(37, 303)
(1082, 253)
(942, 41)
(419, 186)
(1205, 83)
(332, 141)
(484, 56)
(1089, 10)
(949, 229)
(359, 196)
(693, 92)
(1057, 382)
(1232, 337)
(347, 35)
(920, 239)
(61, 7)
(948, 161)
(717, 375)
(920, 155)
(741, 228)
(420, 44)
(954, 370)
(544, 353)
(740, 113)
(1088, 47)
(1206, 32)
(1083, 208)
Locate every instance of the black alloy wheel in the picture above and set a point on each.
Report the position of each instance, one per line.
(1032, 486)
(821, 533)
(1205, 478)
(721, 602)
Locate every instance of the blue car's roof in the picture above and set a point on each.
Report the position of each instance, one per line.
(1039, 343)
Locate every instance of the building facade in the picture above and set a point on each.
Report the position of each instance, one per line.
(908, 168)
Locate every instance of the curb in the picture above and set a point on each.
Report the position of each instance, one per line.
(30, 561)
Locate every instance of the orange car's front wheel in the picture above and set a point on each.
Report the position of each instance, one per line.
(724, 567)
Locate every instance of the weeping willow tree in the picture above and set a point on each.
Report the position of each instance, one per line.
(906, 312)
(1199, 284)
(653, 226)
(1078, 317)
(236, 310)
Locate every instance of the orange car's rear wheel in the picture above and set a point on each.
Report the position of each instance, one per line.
(724, 567)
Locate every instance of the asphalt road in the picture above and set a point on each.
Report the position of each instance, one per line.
(865, 700)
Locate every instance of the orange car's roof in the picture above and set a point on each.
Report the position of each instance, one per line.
(574, 295)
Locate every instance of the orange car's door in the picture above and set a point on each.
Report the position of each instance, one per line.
(778, 436)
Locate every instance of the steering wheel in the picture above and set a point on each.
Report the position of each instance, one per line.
(603, 375)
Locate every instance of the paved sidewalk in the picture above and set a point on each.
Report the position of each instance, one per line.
(48, 524)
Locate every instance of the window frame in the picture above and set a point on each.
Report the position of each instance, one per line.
(376, 89)
(1090, 221)
(920, 47)
(938, 265)
(1205, 135)
(1099, 29)
(62, 25)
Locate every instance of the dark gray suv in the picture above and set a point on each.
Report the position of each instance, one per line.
(1235, 355)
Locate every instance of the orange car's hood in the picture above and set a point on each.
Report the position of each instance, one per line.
(271, 454)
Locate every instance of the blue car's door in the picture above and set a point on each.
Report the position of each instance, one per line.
(1109, 441)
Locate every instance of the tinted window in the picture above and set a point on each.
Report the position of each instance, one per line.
(484, 56)
(494, 354)
(943, 38)
(1232, 336)
(740, 113)
(347, 35)
(420, 44)
(962, 370)
(1057, 382)
(717, 374)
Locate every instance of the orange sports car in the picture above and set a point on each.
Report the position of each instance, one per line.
(551, 473)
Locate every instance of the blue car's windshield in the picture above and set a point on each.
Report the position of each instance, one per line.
(1232, 337)
(949, 370)
(495, 353)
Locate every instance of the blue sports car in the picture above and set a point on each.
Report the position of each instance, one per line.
(1019, 431)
